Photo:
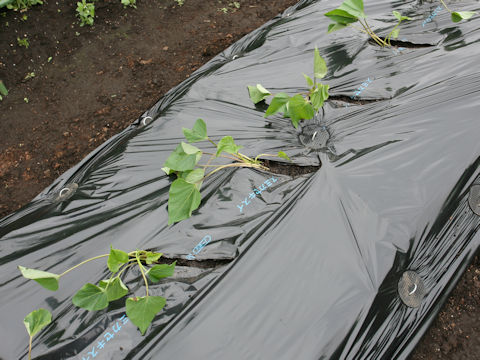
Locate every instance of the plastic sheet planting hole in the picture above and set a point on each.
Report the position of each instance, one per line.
(474, 199)
(315, 136)
(66, 192)
(411, 289)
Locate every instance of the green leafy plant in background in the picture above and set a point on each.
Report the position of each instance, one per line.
(458, 15)
(184, 194)
(140, 310)
(34, 322)
(3, 90)
(351, 11)
(86, 12)
(301, 106)
(131, 3)
(19, 4)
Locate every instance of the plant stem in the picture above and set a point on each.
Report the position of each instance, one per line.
(225, 156)
(30, 349)
(257, 166)
(390, 34)
(211, 141)
(127, 264)
(269, 155)
(245, 157)
(374, 36)
(143, 272)
(83, 262)
(446, 7)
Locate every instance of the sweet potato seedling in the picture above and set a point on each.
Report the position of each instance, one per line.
(140, 310)
(351, 11)
(302, 106)
(184, 194)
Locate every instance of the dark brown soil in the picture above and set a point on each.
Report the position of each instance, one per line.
(102, 78)
(284, 168)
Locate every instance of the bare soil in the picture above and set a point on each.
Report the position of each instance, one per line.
(101, 78)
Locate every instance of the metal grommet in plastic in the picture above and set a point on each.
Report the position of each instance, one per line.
(315, 136)
(145, 121)
(411, 289)
(66, 192)
(474, 199)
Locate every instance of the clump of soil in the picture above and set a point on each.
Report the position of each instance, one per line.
(278, 167)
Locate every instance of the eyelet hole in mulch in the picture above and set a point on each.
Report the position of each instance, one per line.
(411, 289)
(314, 136)
(474, 199)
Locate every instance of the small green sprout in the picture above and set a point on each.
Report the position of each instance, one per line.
(131, 3)
(25, 99)
(34, 322)
(351, 11)
(184, 194)
(180, 2)
(23, 42)
(140, 310)
(29, 75)
(301, 106)
(458, 15)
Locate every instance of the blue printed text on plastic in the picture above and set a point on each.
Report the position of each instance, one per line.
(432, 15)
(107, 336)
(266, 184)
(204, 242)
(362, 87)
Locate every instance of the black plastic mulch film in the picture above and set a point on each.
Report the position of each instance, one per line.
(314, 267)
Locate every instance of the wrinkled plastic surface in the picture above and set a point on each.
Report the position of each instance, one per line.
(311, 266)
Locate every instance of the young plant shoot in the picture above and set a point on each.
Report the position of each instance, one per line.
(458, 15)
(351, 11)
(302, 106)
(184, 195)
(34, 322)
(140, 310)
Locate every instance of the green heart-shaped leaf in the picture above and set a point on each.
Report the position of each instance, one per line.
(37, 320)
(354, 8)
(300, 109)
(183, 199)
(399, 16)
(48, 280)
(319, 65)
(91, 297)
(277, 104)
(462, 15)
(142, 310)
(157, 272)
(151, 257)
(308, 79)
(258, 93)
(116, 288)
(282, 155)
(194, 176)
(181, 160)
(116, 259)
(198, 133)
(335, 27)
(228, 145)
(341, 17)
